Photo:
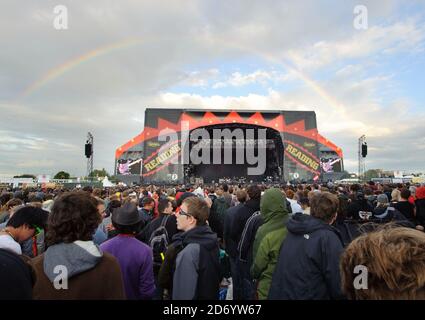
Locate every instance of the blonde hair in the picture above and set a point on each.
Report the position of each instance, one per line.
(395, 195)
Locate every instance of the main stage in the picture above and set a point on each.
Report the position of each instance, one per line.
(186, 145)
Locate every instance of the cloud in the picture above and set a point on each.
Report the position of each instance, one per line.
(199, 78)
(102, 82)
(261, 77)
(406, 37)
(391, 127)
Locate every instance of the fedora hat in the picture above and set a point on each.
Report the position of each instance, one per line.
(126, 215)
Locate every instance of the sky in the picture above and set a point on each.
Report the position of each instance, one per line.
(118, 57)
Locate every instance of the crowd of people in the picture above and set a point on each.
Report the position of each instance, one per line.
(193, 242)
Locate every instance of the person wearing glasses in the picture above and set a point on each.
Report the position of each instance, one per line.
(193, 255)
(26, 223)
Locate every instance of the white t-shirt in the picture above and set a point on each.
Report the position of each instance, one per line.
(295, 206)
(7, 243)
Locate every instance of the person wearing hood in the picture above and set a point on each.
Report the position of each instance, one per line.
(308, 264)
(384, 213)
(193, 255)
(268, 239)
(73, 267)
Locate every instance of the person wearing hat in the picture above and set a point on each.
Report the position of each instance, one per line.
(134, 257)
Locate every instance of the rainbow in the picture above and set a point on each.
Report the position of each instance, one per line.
(58, 71)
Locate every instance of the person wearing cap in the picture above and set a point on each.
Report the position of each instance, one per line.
(135, 257)
(73, 267)
(384, 213)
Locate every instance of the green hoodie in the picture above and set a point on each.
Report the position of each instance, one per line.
(268, 239)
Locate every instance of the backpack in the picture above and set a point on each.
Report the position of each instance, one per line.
(159, 242)
(167, 269)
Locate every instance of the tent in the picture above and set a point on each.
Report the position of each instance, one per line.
(107, 183)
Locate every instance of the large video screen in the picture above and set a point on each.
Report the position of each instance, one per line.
(331, 164)
(130, 163)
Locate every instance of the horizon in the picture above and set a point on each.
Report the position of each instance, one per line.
(359, 68)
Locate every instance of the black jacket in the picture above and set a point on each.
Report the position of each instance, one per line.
(308, 264)
(390, 214)
(246, 244)
(420, 211)
(356, 206)
(230, 245)
(407, 209)
(217, 216)
(16, 277)
(241, 217)
(351, 228)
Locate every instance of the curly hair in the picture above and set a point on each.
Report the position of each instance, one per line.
(74, 217)
(395, 262)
